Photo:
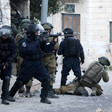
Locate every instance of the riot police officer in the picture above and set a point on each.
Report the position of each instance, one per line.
(49, 57)
(29, 48)
(73, 54)
(7, 55)
(23, 26)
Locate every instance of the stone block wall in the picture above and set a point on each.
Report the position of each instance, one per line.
(95, 17)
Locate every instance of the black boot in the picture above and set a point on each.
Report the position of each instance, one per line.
(11, 99)
(4, 101)
(21, 90)
(28, 93)
(45, 100)
(5, 90)
(44, 92)
(51, 93)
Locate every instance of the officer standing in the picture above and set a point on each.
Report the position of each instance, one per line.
(24, 25)
(49, 57)
(73, 54)
(7, 55)
(92, 76)
(29, 48)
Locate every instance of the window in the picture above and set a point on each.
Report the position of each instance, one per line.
(70, 8)
(110, 31)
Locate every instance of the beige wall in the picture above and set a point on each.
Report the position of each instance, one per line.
(24, 7)
(95, 16)
(5, 7)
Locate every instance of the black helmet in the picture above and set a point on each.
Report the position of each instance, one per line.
(104, 61)
(32, 28)
(68, 31)
(5, 31)
(47, 26)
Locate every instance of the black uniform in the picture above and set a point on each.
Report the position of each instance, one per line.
(7, 55)
(72, 51)
(29, 48)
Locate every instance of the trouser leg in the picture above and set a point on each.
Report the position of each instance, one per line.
(63, 80)
(5, 90)
(17, 85)
(44, 91)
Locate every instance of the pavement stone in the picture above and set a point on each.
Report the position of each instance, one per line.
(66, 103)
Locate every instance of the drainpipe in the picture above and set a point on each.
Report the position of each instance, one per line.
(44, 11)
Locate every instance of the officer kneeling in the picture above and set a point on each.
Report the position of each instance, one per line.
(29, 48)
(92, 76)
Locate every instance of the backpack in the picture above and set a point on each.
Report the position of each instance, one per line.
(94, 73)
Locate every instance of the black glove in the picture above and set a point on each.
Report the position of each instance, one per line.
(82, 61)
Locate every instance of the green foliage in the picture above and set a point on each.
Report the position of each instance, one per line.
(54, 6)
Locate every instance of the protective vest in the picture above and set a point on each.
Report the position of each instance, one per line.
(94, 73)
(5, 49)
(71, 48)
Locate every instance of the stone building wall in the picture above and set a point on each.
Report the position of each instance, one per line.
(5, 10)
(95, 17)
(22, 5)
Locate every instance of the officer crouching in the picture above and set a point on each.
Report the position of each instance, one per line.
(29, 48)
(7, 55)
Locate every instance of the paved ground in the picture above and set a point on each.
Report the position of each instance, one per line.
(66, 103)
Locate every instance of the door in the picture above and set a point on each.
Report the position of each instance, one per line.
(72, 21)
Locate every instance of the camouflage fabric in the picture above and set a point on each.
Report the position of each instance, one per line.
(29, 84)
(19, 36)
(93, 74)
(24, 24)
(49, 61)
(105, 76)
(87, 82)
(14, 29)
(69, 89)
(47, 26)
